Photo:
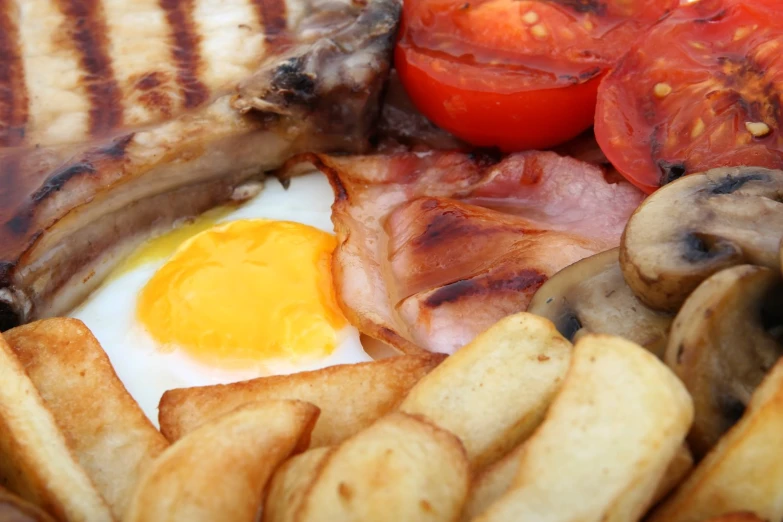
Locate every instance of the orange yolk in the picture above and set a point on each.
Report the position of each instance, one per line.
(246, 292)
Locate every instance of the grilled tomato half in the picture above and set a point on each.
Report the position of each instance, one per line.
(702, 89)
(516, 74)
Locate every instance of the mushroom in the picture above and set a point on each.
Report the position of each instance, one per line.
(699, 225)
(722, 343)
(591, 296)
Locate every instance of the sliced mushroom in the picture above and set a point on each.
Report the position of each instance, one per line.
(723, 342)
(699, 225)
(591, 296)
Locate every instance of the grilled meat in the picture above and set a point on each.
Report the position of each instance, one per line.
(435, 247)
(117, 119)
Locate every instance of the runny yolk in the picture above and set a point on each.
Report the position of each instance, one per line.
(245, 292)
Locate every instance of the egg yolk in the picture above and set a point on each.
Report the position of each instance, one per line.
(245, 292)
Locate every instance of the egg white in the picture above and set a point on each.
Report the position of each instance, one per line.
(148, 371)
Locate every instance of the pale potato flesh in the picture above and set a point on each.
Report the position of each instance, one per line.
(110, 437)
(493, 392)
(219, 471)
(743, 472)
(400, 468)
(350, 396)
(35, 461)
(679, 468)
(495, 480)
(619, 419)
(491, 483)
(290, 482)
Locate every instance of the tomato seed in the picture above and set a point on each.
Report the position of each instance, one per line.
(757, 128)
(662, 90)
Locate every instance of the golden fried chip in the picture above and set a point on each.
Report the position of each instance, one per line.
(14, 509)
(35, 461)
(492, 483)
(678, 469)
(495, 480)
(219, 471)
(350, 396)
(493, 392)
(290, 482)
(402, 468)
(607, 439)
(105, 428)
(744, 471)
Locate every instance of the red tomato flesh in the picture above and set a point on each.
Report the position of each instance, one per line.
(703, 89)
(516, 74)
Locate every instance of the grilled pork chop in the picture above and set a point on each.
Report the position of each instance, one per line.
(119, 118)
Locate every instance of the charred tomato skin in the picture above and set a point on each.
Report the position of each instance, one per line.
(515, 74)
(702, 89)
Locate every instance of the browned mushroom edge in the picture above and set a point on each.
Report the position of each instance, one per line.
(722, 343)
(591, 296)
(699, 225)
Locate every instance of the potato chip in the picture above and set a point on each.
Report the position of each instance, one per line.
(14, 509)
(744, 471)
(495, 480)
(608, 437)
(492, 483)
(402, 468)
(35, 462)
(678, 469)
(290, 483)
(111, 437)
(219, 471)
(350, 396)
(493, 392)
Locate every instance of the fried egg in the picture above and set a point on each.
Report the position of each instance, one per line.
(236, 294)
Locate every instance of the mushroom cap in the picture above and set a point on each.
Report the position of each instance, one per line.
(722, 343)
(699, 225)
(591, 296)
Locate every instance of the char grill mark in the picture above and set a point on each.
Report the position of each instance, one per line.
(89, 35)
(63, 208)
(524, 281)
(185, 41)
(13, 92)
(272, 15)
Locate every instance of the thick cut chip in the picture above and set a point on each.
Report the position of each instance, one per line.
(35, 461)
(290, 483)
(492, 483)
(744, 471)
(678, 469)
(495, 480)
(14, 509)
(618, 421)
(350, 396)
(402, 468)
(105, 428)
(219, 471)
(493, 392)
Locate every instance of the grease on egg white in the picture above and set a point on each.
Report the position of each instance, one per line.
(263, 272)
